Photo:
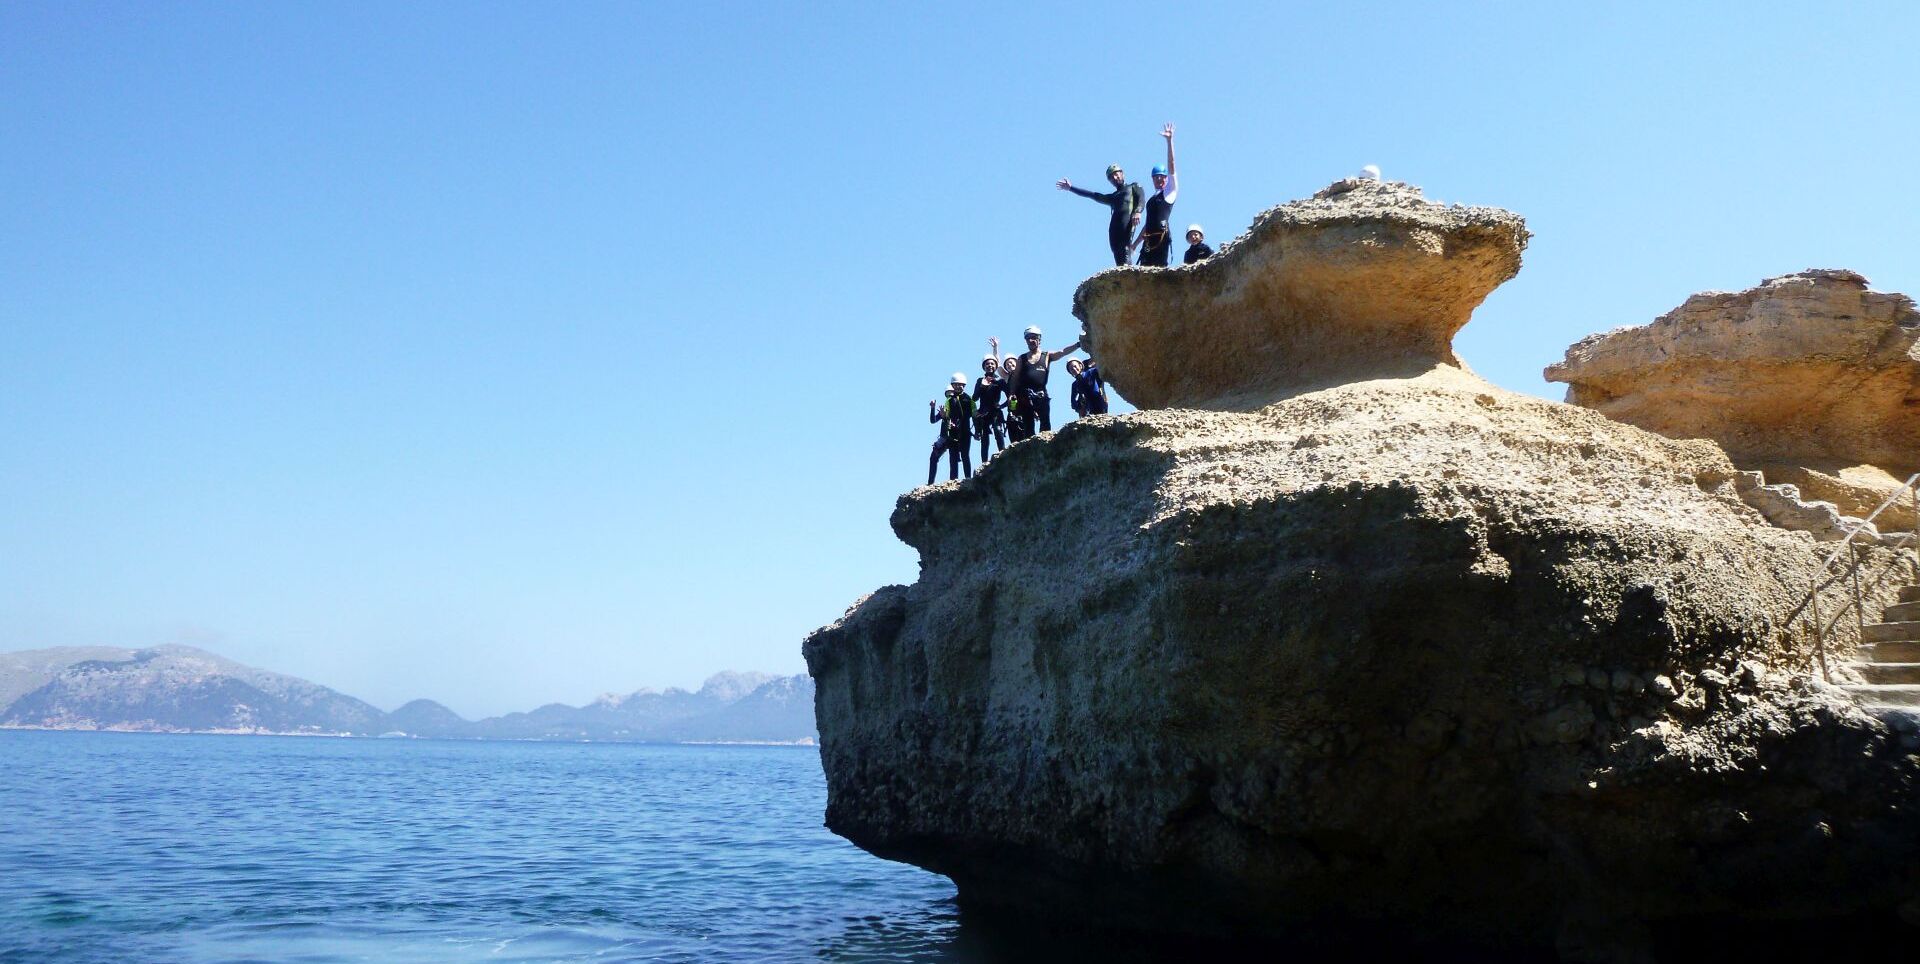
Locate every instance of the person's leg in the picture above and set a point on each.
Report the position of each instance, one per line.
(1156, 255)
(966, 458)
(933, 461)
(1117, 237)
(1043, 410)
(1000, 434)
(984, 439)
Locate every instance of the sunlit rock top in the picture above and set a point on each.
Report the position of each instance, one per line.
(1811, 368)
(1366, 279)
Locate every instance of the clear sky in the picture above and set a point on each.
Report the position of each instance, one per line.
(512, 353)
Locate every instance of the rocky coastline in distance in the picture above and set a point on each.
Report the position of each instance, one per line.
(180, 689)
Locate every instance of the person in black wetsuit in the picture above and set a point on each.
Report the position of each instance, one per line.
(955, 416)
(1009, 367)
(1156, 235)
(1030, 383)
(1125, 202)
(990, 407)
(1089, 392)
(1197, 248)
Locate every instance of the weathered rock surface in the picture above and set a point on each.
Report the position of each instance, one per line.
(1364, 280)
(1410, 651)
(1811, 378)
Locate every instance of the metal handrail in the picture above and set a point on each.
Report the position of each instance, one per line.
(1826, 578)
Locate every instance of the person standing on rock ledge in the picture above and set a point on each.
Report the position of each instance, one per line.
(989, 406)
(1029, 383)
(955, 416)
(1125, 201)
(1089, 395)
(1197, 247)
(1156, 237)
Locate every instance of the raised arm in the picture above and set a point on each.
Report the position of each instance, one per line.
(1064, 185)
(1054, 356)
(1173, 174)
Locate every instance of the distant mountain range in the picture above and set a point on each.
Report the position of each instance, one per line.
(182, 689)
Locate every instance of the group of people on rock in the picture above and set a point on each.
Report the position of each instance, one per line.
(1152, 217)
(1007, 403)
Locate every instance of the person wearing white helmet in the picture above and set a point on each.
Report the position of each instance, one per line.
(1009, 367)
(1197, 249)
(990, 407)
(955, 416)
(1156, 235)
(1029, 383)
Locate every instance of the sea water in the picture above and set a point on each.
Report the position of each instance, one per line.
(155, 847)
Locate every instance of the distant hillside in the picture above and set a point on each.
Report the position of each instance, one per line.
(175, 688)
(182, 689)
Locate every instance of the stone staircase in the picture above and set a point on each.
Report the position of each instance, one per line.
(1889, 658)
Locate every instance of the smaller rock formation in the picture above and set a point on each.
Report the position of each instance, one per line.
(1365, 279)
(1811, 378)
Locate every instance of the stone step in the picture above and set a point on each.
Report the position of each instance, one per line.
(1910, 593)
(1889, 672)
(1886, 694)
(1904, 651)
(1901, 612)
(1890, 632)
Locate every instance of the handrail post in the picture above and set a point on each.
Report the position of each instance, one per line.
(1819, 636)
(1859, 601)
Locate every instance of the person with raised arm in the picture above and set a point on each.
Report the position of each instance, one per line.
(1156, 235)
(1030, 382)
(990, 404)
(1124, 202)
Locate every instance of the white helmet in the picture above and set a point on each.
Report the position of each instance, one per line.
(1191, 228)
(958, 379)
(1033, 329)
(1370, 173)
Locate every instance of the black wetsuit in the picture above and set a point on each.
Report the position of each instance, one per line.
(1030, 380)
(955, 416)
(990, 413)
(1125, 202)
(1156, 236)
(1198, 251)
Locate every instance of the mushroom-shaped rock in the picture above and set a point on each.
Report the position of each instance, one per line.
(1364, 280)
(1809, 377)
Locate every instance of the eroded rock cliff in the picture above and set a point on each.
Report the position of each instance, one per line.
(1413, 651)
(1811, 378)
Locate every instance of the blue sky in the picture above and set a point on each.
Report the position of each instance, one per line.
(511, 353)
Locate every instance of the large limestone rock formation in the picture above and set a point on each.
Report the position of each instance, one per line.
(1410, 651)
(1365, 279)
(1810, 378)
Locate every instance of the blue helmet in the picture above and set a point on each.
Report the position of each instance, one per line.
(1159, 169)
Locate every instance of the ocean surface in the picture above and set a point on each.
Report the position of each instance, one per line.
(150, 847)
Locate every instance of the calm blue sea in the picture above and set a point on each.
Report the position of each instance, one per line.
(139, 847)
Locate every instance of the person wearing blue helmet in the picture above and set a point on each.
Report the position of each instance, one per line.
(1156, 235)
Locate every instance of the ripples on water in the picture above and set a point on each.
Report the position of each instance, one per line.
(136, 847)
